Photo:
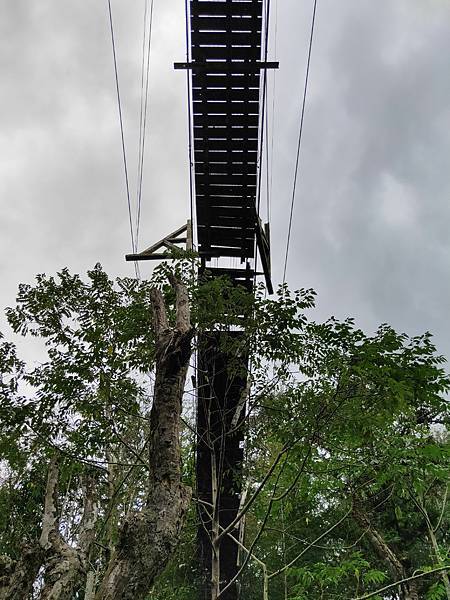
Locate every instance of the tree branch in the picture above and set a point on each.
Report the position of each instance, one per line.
(311, 545)
(256, 493)
(401, 581)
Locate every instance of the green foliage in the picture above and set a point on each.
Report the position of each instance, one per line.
(98, 336)
(329, 579)
(436, 592)
(348, 419)
(357, 414)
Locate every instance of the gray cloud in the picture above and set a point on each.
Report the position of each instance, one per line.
(372, 213)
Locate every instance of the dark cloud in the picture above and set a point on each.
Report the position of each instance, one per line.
(372, 213)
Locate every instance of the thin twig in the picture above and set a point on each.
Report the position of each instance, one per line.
(311, 545)
(401, 581)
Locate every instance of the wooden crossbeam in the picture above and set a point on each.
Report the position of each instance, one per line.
(226, 67)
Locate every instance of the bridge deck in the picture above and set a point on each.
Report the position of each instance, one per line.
(226, 55)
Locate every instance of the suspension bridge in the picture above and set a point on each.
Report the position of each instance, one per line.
(227, 64)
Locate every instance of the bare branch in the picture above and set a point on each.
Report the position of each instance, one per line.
(257, 537)
(441, 516)
(258, 490)
(311, 545)
(402, 581)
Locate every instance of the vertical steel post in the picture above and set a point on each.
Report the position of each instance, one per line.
(219, 453)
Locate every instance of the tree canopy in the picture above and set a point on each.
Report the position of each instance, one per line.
(345, 480)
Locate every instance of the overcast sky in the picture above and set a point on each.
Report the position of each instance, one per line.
(372, 213)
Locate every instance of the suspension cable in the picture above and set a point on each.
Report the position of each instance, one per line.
(297, 160)
(124, 154)
(144, 104)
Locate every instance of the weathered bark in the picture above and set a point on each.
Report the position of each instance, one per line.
(65, 565)
(148, 538)
(407, 590)
(63, 573)
(87, 534)
(17, 577)
(89, 591)
(7, 566)
(111, 508)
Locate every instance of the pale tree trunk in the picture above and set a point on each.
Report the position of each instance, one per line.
(111, 512)
(437, 553)
(89, 592)
(66, 566)
(17, 577)
(432, 536)
(87, 535)
(407, 590)
(148, 538)
(215, 528)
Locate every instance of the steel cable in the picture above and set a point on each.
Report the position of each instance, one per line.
(297, 160)
(124, 154)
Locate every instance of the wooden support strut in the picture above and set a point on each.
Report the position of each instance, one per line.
(173, 240)
(170, 242)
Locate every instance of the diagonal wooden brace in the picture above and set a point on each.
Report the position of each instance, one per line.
(167, 244)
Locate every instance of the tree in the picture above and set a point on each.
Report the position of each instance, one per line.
(85, 408)
(340, 514)
(346, 453)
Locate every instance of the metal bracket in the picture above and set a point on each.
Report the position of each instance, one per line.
(223, 67)
(170, 242)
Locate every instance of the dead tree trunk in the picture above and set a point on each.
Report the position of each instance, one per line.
(149, 537)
